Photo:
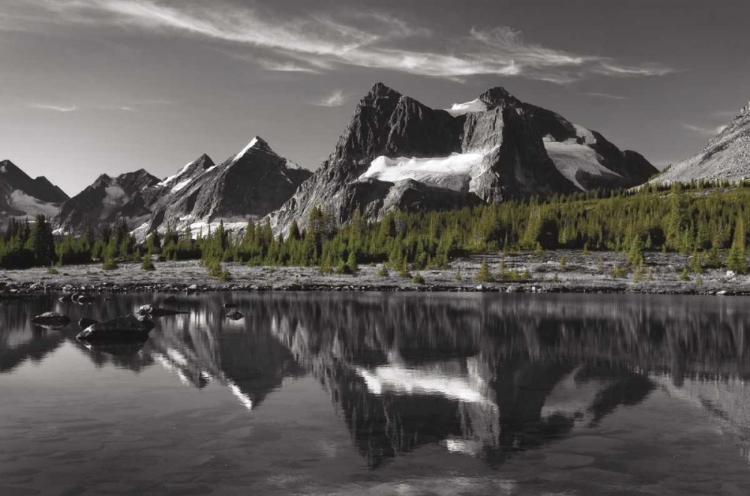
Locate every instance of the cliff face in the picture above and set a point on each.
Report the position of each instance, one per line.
(489, 150)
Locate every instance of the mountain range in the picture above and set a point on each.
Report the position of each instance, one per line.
(395, 154)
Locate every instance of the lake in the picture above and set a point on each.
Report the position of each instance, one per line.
(382, 393)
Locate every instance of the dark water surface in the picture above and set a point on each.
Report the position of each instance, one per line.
(383, 394)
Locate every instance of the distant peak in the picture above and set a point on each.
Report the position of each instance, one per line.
(497, 97)
(256, 144)
(379, 90)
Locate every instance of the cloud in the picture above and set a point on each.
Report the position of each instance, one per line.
(704, 131)
(607, 96)
(335, 99)
(53, 108)
(370, 40)
(646, 70)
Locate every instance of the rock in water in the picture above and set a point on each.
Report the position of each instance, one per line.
(86, 322)
(153, 311)
(235, 315)
(130, 328)
(51, 319)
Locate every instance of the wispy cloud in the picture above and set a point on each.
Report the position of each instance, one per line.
(606, 96)
(645, 70)
(703, 131)
(372, 40)
(335, 99)
(53, 108)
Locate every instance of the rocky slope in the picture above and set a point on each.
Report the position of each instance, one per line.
(22, 197)
(488, 150)
(106, 201)
(725, 157)
(248, 185)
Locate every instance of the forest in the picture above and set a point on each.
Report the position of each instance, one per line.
(705, 220)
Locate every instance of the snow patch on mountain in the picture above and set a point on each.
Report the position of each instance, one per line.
(452, 172)
(32, 206)
(181, 185)
(172, 178)
(569, 158)
(585, 135)
(114, 198)
(246, 149)
(465, 108)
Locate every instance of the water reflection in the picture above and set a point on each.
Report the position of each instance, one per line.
(483, 375)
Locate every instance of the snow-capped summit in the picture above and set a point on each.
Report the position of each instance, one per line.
(24, 197)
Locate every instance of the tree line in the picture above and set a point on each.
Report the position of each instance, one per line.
(705, 220)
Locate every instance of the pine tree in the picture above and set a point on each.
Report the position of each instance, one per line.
(737, 257)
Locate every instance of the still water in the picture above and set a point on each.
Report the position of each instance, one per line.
(382, 394)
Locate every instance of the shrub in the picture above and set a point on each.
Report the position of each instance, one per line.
(418, 279)
(484, 274)
(147, 263)
(619, 271)
(684, 275)
(110, 264)
(383, 271)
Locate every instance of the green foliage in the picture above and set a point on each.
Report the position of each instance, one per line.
(619, 271)
(418, 279)
(635, 253)
(383, 271)
(685, 274)
(737, 256)
(484, 274)
(563, 263)
(110, 264)
(147, 263)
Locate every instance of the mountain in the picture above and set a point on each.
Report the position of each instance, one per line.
(248, 185)
(21, 196)
(725, 157)
(106, 201)
(491, 149)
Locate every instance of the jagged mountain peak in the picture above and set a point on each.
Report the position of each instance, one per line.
(497, 97)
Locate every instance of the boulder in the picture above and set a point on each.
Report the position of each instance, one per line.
(235, 315)
(51, 319)
(153, 311)
(130, 328)
(86, 322)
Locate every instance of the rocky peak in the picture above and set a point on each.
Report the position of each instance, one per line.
(498, 97)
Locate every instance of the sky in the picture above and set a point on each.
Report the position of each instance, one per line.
(112, 86)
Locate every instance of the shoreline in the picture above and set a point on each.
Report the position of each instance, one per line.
(548, 272)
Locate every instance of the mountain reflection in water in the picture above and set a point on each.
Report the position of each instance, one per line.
(484, 375)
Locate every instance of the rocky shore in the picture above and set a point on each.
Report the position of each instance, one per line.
(558, 271)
